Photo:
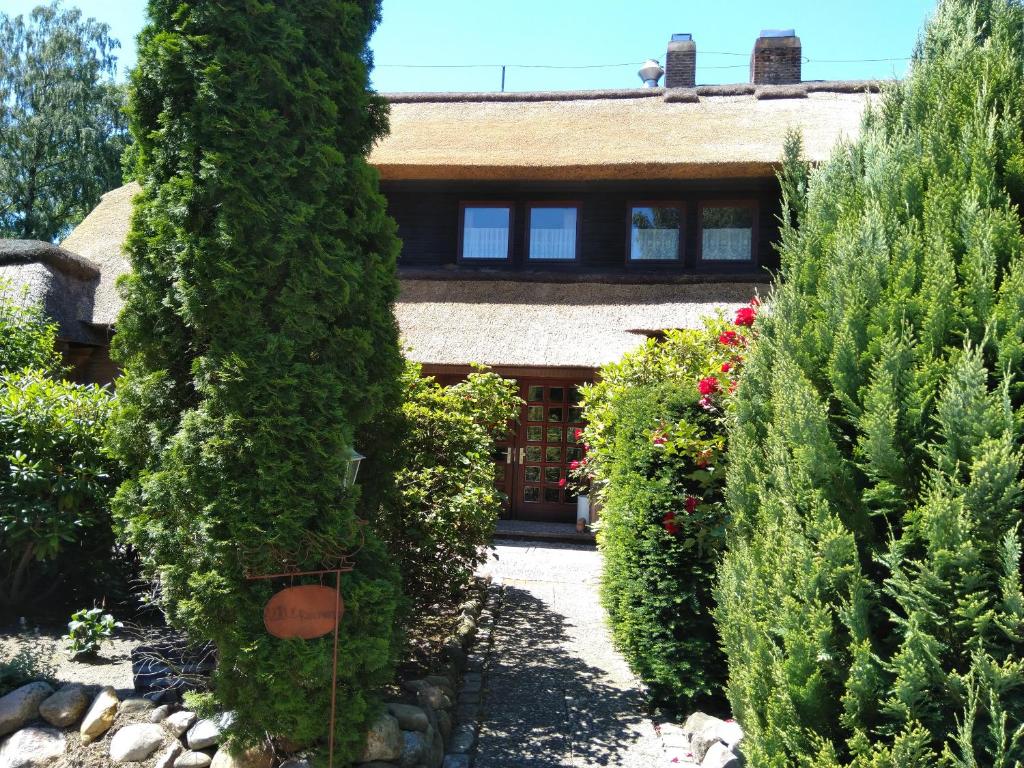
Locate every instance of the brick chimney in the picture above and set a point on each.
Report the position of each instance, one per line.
(776, 58)
(681, 61)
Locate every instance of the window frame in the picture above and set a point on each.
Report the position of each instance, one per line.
(754, 207)
(529, 206)
(463, 205)
(680, 259)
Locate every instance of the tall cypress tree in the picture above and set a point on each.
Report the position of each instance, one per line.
(870, 602)
(257, 338)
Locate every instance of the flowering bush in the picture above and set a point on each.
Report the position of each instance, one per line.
(656, 448)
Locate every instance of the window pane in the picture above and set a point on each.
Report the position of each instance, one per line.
(727, 234)
(535, 394)
(535, 413)
(532, 474)
(552, 233)
(485, 233)
(535, 434)
(655, 234)
(551, 495)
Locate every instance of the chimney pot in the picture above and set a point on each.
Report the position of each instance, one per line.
(777, 58)
(681, 61)
(651, 73)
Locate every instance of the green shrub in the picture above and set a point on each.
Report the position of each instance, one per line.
(439, 525)
(257, 339)
(27, 660)
(27, 338)
(55, 486)
(87, 630)
(655, 448)
(870, 602)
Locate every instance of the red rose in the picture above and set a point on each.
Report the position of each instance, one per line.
(574, 465)
(708, 385)
(579, 433)
(745, 316)
(668, 522)
(726, 367)
(691, 504)
(729, 338)
(561, 483)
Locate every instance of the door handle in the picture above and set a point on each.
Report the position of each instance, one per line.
(522, 455)
(508, 455)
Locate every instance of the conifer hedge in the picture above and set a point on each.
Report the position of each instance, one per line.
(257, 338)
(870, 601)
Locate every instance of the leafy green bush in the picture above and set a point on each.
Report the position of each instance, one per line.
(257, 339)
(55, 484)
(443, 517)
(55, 480)
(87, 630)
(655, 448)
(870, 601)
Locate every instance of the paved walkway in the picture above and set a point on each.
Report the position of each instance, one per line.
(556, 692)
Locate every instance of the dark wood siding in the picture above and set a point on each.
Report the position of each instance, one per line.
(428, 219)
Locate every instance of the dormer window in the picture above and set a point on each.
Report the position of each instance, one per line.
(552, 231)
(656, 231)
(486, 233)
(727, 232)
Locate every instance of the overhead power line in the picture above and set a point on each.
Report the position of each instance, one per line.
(807, 60)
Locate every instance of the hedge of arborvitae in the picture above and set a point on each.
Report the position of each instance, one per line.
(871, 602)
(257, 337)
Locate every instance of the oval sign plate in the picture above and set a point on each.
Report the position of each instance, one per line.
(305, 612)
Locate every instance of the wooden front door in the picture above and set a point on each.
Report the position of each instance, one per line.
(538, 454)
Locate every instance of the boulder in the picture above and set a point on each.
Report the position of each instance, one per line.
(730, 733)
(415, 749)
(383, 741)
(100, 716)
(456, 761)
(32, 748)
(167, 757)
(720, 756)
(444, 724)
(192, 759)
(180, 722)
(160, 714)
(296, 762)
(410, 717)
(696, 722)
(462, 739)
(136, 742)
(432, 696)
(21, 705)
(136, 707)
(205, 733)
(256, 757)
(64, 708)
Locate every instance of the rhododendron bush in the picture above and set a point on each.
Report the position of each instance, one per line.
(870, 601)
(655, 450)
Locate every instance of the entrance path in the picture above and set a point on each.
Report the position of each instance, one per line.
(556, 692)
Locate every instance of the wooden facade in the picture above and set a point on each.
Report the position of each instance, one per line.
(429, 215)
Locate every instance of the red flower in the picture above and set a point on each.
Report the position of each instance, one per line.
(691, 504)
(706, 404)
(561, 483)
(579, 433)
(745, 316)
(708, 385)
(726, 367)
(659, 440)
(729, 338)
(586, 447)
(574, 465)
(668, 522)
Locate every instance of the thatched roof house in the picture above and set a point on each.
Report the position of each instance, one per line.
(546, 234)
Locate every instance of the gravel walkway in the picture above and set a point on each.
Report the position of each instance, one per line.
(556, 691)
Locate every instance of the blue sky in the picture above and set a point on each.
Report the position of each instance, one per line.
(578, 32)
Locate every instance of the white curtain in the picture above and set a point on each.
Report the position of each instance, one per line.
(485, 243)
(727, 244)
(655, 244)
(553, 233)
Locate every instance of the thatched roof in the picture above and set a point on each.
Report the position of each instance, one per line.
(63, 283)
(100, 239)
(700, 133)
(548, 324)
